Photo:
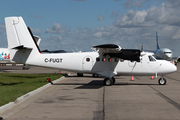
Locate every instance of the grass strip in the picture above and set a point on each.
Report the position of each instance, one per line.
(14, 85)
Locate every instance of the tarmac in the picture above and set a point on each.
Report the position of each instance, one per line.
(85, 98)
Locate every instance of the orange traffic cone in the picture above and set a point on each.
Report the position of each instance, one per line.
(132, 78)
(152, 77)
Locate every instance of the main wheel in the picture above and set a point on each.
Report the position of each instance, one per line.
(113, 80)
(95, 75)
(162, 81)
(80, 74)
(108, 81)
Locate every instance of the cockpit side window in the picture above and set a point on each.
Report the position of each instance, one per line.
(151, 58)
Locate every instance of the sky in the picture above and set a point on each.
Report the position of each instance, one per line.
(77, 25)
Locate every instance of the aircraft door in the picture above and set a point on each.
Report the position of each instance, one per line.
(87, 63)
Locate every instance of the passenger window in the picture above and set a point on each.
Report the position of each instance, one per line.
(87, 59)
(122, 60)
(98, 59)
(104, 59)
(116, 59)
(151, 59)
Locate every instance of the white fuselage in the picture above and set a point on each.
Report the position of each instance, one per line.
(90, 62)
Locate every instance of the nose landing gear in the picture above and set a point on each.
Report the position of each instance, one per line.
(162, 81)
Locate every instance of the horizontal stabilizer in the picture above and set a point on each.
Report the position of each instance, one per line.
(21, 47)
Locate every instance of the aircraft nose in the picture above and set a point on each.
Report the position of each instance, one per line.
(168, 67)
(171, 67)
(169, 55)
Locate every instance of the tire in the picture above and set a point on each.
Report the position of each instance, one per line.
(162, 81)
(95, 75)
(80, 74)
(108, 81)
(113, 80)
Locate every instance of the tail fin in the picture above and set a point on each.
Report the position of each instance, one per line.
(157, 41)
(21, 42)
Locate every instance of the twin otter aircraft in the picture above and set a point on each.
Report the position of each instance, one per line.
(107, 60)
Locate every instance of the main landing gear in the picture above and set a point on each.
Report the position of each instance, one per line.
(80, 74)
(109, 81)
(162, 81)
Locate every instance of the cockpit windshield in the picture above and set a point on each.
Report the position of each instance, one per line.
(167, 52)
(156, 57)
(151, 58)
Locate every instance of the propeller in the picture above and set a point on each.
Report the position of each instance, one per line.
(142, 47)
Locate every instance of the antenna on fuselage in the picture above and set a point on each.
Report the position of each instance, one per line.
(72, 49)
(77, 49)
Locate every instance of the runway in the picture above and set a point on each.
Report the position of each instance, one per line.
(85, 98)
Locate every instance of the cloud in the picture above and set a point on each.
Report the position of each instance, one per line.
(132, 19)
(172, 3)
(134, 3)
(36, 31)
(98, 34)
(164, 15)
(57, 29)
(100, 17)
(151, 17)
(114, 15)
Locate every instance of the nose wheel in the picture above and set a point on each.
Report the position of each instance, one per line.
(109, 81)
(162, 81)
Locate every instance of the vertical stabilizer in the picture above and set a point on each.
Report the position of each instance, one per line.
(157, 41)
(20, 41)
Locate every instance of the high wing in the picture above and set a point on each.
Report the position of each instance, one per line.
(54, 51)
(116, 51)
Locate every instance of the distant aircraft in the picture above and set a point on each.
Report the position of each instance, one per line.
(162, 53)
(103, 61)
(4, 55)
